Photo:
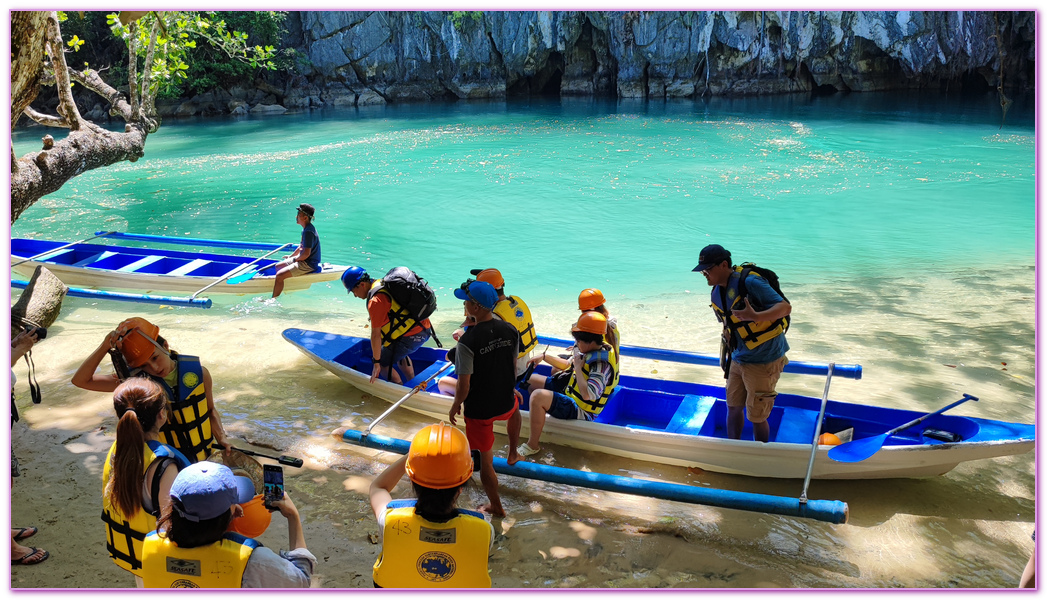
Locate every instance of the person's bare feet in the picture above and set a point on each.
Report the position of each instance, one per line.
(513, 457)
(496, 511)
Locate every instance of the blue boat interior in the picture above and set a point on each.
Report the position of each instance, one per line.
(123, 259)
(698, 409)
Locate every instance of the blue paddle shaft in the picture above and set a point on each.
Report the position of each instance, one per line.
(965, 398)
(861, 449)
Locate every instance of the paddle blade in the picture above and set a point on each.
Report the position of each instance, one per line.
(242, 277)
(858, 450)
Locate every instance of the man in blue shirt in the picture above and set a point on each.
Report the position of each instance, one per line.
(306, 257)
(754, 332)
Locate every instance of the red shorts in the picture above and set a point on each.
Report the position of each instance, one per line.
(480, 432)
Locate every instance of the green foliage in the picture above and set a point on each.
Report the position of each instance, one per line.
(463, 18)
(176, 48)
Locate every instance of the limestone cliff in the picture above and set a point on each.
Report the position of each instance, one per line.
(359, 58)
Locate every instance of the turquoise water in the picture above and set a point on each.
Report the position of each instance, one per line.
(624, 194)
(902, 227)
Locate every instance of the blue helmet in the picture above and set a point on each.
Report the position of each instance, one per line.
(352, 276)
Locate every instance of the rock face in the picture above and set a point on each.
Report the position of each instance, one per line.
(392, 56)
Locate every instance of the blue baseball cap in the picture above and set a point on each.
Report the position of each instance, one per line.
(205, 490)
(479, 292)
(712, 255)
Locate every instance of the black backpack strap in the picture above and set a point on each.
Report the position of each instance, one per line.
(432, 332)
(154, 487)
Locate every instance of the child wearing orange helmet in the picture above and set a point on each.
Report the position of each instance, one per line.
(592, 299)
(193, 423)
(428, 542)
(582, 389)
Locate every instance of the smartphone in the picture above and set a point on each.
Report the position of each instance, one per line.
(273, 488)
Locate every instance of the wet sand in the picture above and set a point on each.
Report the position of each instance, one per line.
(920, 345)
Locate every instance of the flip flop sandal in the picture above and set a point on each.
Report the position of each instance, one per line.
(29, 559)
(25, 533)
(525, 450)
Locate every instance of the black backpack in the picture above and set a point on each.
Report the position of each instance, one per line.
(770, 277)
(412, 293)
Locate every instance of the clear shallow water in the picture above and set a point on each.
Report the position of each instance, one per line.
(852, 187)
(883, 268)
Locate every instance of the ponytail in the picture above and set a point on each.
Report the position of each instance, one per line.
(125, 485)
(138, 403)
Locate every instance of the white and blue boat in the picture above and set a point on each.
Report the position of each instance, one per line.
(682, 423)
(91, 264)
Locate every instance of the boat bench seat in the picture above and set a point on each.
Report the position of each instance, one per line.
(53, 255)
(94, 258)
(427, 373)
(138, 264)
(689, 418)
(192, 266)
(796, 426)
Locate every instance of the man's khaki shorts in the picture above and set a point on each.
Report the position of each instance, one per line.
(752, 386)
(300, 268)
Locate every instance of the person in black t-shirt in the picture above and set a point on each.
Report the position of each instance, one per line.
(485, 363)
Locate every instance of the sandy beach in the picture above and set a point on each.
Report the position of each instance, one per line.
(967, 529)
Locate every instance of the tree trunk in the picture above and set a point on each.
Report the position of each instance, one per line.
(40, 303)
(28, 34)
(44, 172)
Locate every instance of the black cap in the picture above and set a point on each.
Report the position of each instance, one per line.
(307, 209)
(712, 255)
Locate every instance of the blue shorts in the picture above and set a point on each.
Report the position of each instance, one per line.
(563, 407)
(401, 348)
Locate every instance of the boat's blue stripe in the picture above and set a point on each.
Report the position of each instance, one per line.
(794, 366)
(185, 241)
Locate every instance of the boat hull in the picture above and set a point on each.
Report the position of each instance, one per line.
(639, 439)
(113, 267)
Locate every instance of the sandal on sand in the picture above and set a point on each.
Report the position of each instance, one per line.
(35, 557)
(25, 533)
(525, 450)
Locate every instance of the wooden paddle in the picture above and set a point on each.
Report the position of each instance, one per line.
(861, 449)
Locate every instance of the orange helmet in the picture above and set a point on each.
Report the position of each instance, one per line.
(591, 322)
(491, 276)
(255, 520)
(136, 348)
(829, 439)
(590, 299)
(439, 457)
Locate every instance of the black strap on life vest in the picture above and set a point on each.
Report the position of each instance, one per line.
(154, 487)
(123, 528)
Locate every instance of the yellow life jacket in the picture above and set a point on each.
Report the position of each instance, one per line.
(400, 321)
(752, 333)
(605, 354)
(218, 565)
(417, 553)
(123, 536)
(188, 426)
(513, 311)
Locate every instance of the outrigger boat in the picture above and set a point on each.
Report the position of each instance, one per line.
(152, 269)
(682, 423)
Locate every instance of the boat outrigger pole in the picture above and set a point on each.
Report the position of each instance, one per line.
(830, 511)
